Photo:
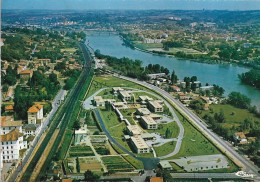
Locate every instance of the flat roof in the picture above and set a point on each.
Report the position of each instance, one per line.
(117, 88)
(139, 142)
(98, 98)
(155, 104)
(124, 93)
(144, 111)
(145, 97)
(134, 129)
(165, 164)
(148, 119)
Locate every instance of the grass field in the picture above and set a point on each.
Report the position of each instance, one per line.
(136, 163)
(234, 116)
(117, 163)
(89, 164)
(110, 81)
(172, 127)
(185, 50)
(129, 114)
(165, 149)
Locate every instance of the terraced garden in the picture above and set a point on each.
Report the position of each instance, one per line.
(117, 164)
(80, 151)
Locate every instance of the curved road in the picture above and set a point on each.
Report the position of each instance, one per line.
(222, 144)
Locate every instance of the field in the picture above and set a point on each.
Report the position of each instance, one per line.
(80, 151)
(185, 50)
(89, 164)
(234, 116)
(117, 164)
(129, 114)
(165, 149)
(136, 163)
(172, 127)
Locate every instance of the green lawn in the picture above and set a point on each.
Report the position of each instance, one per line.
(165, 149)
(194, 143)
(137, 94)
(234, 116)
(110, 81)
(136, 163)
(172, 127)
(80, 151)
(129, 114)
(185, 50)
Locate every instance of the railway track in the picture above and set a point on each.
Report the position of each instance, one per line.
(57, 127)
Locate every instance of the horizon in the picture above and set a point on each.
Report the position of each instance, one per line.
(229, 5)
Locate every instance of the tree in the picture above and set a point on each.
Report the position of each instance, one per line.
(5, 88)
(53, 77)
(77, 165)
(193, 79)
(76, 125)
(239, 100)
(174, 77)
(90, 176)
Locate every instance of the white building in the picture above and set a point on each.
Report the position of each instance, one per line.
(125, 95)
(149, 122)
(99, 101)
(35, 114)
(31, 129)
(155, 106)
(12, 143)
(8, 124)
(139, 144)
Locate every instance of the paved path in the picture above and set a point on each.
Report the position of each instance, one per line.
(149, 163)
(247, 165)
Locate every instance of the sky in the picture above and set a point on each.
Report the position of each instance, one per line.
(133, 4)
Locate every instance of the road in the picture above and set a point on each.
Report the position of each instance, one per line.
(66, 110)
(222, 144)
(55, 107)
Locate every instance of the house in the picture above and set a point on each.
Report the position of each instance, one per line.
(26, 74)
(125, 95)
(9, 108)
(176, 89)
(165, 165)
(119, 105)
(8, 124)
(143, 111)
(148, 122)
(31, 129)
(182, 96)
(44, 61)
(155, 106)
(12, 143)
(183, 84)
(98, 101)
(133, 130)
(206, 88)
(156, 179)
(35, 114)
(139, 144)
(240, 138)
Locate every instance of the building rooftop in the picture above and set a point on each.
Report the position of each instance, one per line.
(155, 104)
(11, 136)
(139, 142)
(35, 108)
(9, 107)
(124, 93)
(134, 129)
(148, 119)
(240, 135)
(28, 127)
(26, 72)
(117, 89)
(156, 179)
(145, 97)
(165, 164)
(8, 121)
(144, 111)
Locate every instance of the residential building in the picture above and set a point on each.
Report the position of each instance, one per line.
(26, 74)
(31, 129)
(156, 75)
(35, 114)
(119, 105)
(206, 88)
(240, 138)
(133, 130)
(9, 108)
(144, 98)
(8, 124)
(155, 106)
(125, 95)
(148, 122)
(12, 143)
(148, 136)
(176, 89)
(139, 144)
(143, 111)
(182, 96)
(98, 101)
(9, 95)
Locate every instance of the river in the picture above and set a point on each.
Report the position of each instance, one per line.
(224, 75)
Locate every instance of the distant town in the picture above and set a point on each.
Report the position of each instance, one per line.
(73, 112)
